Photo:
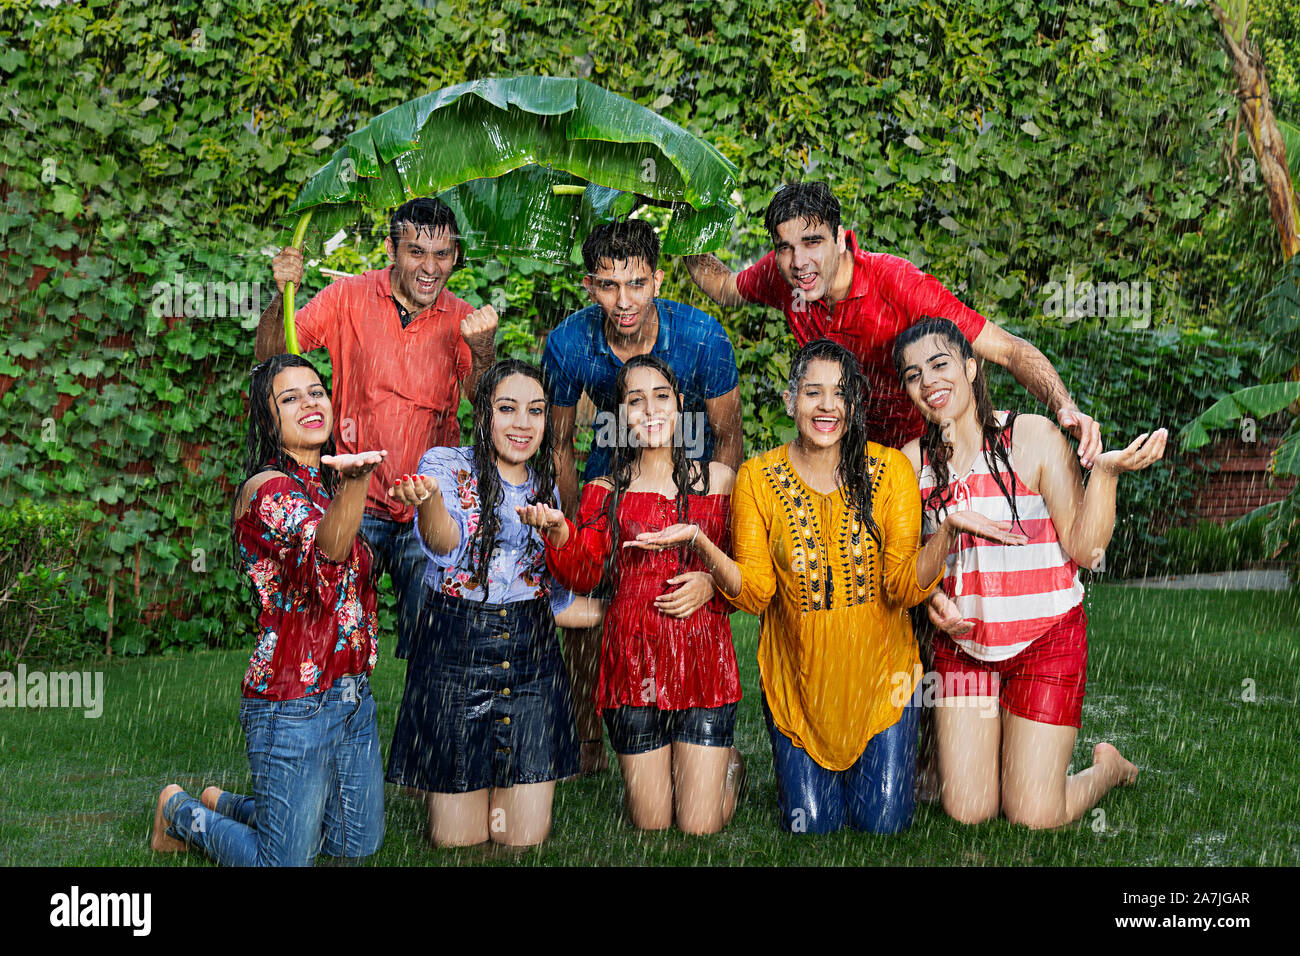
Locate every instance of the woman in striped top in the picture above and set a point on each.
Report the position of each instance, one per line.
(1014, 627)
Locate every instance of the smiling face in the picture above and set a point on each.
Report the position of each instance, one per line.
(518, 423)
(937, 380)
(422, 261)
(625, 290)
(819, 408)
(300, 402)
(652, 408)
(808, 256)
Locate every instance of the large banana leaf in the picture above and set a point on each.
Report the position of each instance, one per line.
(494, 149)
(1258, 401)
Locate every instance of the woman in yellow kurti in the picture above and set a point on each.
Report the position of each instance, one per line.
(838, 659)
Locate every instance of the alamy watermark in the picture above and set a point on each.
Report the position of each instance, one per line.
(207, 300)
(612, 431)
(79, 690)
(1073, 300)
(978, 689)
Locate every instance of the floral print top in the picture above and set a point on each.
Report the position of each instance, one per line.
(517, 570)
(317, 618)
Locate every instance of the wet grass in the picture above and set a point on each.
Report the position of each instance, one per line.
(1170, 677)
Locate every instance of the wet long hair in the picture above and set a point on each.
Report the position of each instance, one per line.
(996, 438)
(851, 473)
(689, 475)
(264, 447)
(483, 541)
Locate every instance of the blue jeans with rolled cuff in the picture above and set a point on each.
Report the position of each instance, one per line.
(318, 784)
(874, 795)
(397, 550)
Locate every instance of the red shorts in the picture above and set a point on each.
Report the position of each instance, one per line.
(1044, 682)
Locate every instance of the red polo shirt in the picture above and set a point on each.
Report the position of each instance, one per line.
(395, 388)
(886, 296)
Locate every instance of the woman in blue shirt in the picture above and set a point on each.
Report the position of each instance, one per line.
(486, 722)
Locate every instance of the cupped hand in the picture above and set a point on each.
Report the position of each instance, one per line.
(972, 522)
(1142, 452)
(672, 536)
(945, 616)
(357, 465)
(696, 589)
(414, 490)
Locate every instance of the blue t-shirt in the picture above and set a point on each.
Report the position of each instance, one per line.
(694, 345)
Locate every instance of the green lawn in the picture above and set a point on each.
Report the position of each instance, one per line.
(1167, 676)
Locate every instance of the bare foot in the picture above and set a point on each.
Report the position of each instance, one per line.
(210, 796)
(1125, 771)
(160, 842)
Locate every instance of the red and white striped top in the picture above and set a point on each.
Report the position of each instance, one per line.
(1013, 593)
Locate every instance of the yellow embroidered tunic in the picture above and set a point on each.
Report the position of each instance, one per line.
(836, 651)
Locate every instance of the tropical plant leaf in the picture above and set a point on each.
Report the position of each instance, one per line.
(1258, 401)
(1286, 459)
(473, 145)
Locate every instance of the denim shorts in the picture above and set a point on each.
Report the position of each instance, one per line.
(487, 700)
(639, 730)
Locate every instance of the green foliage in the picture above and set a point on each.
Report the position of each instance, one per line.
(1206, 548)
(1281, 324)
(43, 580)
(150, 151)
(1135, 382)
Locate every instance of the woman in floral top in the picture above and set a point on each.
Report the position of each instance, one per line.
(307, 712)
(486, 723)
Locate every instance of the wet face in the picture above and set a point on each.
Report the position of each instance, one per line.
(936, 378)
(819, 408)
(652, 408)
(300, 402)
(808, 256)
(518, 419)
(422, 261)
(625, 291)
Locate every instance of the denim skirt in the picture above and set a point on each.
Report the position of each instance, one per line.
(487, 700)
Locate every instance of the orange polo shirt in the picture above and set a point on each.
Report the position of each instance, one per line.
(395, 388)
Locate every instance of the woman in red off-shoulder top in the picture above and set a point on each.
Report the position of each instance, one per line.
(668, 683)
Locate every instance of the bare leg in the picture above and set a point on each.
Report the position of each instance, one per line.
(648, 786)
(458, 819)
(1035, 789)
(582, 657)
(160, 842)
(521, 815)
(700, 787)
(968, 734)
(210, 796)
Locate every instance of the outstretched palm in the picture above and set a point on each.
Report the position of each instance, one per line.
(1142, 452)
(357, 465)
(670, 537)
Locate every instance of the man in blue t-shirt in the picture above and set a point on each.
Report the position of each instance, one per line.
(585, 353)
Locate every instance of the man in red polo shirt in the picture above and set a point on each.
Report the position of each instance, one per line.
(828, 287)
(403, 350)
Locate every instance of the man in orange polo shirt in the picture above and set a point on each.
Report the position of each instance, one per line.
(403, 350)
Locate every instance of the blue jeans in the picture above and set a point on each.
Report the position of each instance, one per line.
(875, 794)
(318, 784)
(397, 551)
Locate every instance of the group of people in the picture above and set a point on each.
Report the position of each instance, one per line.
(903, 487)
